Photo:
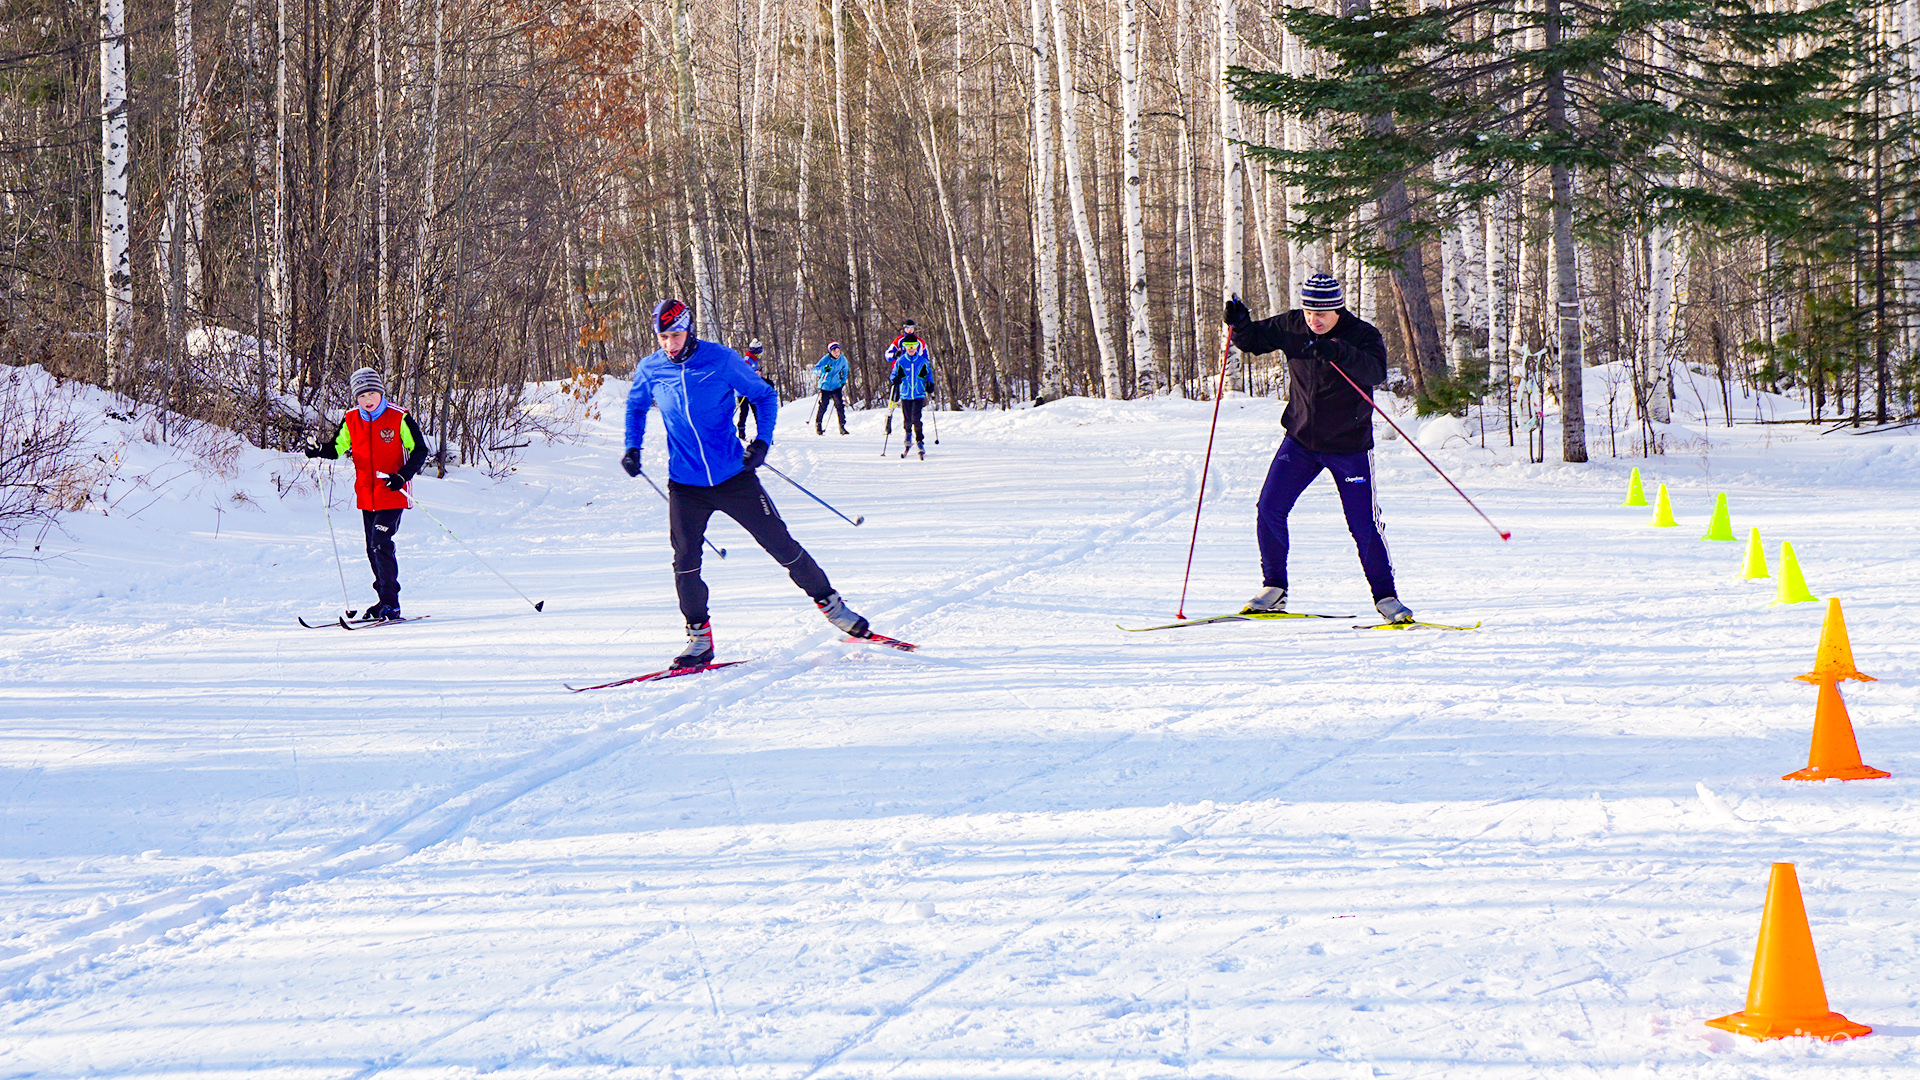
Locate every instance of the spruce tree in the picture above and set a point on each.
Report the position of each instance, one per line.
(1737, 131)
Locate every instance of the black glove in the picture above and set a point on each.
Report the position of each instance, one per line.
(630, 461)
(395, 481)
(313, 451)
(1236, 314)
(755, 456)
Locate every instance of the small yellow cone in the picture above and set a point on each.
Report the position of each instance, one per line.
(1833, 661)
(1721, 528)
(1663, 511)
(1636, 495)
(1756, 567)
(1793, 587)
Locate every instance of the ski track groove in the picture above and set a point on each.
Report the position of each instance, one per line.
(431, 819)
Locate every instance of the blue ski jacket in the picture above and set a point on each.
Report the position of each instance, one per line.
(696, 397)
(912, 376)
(831, 370)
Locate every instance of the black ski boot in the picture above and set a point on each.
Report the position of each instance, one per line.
(698, 651)
(841, 616)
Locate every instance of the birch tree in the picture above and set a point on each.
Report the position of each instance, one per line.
(1077, 207)
(116, 163)
(1138, 306)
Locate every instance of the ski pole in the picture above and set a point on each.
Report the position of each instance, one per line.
(1225, 355)
(891, 402)
(476, 555)
(811, 495)
(1504, 534)
(720, 551)
(326, 506)
(936, 423)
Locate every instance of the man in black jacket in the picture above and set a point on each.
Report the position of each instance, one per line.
(1329, 423)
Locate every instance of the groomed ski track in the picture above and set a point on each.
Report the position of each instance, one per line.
(1039, 847)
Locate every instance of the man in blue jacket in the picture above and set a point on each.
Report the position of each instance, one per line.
(694, 383)
(1329, 422)
(831, 371)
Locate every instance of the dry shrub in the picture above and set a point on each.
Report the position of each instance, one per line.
(42, 468)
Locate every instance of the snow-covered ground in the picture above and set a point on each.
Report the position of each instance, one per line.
(1040, 847)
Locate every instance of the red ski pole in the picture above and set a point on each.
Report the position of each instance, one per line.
(1504, 534)
(1225, 355)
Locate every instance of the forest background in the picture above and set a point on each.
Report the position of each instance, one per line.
(474, 196)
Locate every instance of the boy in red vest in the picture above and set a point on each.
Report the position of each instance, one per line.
(387, 450)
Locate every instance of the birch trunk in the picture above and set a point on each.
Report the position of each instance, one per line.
(1190, 181)
(1233, 204)
(191, 190)
(1263, 222)
(802, 216)
(1138, 310)
(1046, 242)
(115, 168)
(429, 205)
(1665, 257)
(382, 230)
(707, 308)
(279, 272)
(1077, 206)
(843, 148)
(1499, 287)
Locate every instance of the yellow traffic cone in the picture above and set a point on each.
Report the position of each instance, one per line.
(1793, 587)
(1756, 567)
(1785, 995)
(1721, 528)
(1636, 495)
(1663, 511)
(1833, 661)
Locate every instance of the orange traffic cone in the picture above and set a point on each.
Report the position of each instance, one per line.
(1834, 660)
(1834, 755)
(1785, 996)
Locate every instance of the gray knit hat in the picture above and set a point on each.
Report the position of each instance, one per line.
(1322, 292)
(363, 380)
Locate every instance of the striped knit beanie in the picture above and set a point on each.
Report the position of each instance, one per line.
(363, 380)
(1322, 292)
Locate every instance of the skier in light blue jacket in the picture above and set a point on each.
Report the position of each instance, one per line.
(694, 384)
(831, 371)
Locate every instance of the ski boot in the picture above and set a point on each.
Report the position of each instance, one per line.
(923, 451)
(905, 450)
(844, 431)
(841, 616)
(699, 648)
(1271, 601)
(1392, 610)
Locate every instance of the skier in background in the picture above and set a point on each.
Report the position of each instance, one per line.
(831, 372)
(909, 333)
(387, 450)
(752, 357)
(912, 380)
(1329, 428)
(694, 382)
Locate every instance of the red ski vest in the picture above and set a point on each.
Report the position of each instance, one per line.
(379, 447)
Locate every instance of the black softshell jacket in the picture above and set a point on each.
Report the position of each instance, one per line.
(1324, 414)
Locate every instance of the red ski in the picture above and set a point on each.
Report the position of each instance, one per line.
(882, 639)
(651, 676)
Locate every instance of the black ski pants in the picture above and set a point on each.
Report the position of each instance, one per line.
(380, 525)
(745, 501)
(839, 398)
(910, 409)
(747, 408)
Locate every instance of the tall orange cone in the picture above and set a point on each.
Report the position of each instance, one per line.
(1833, 662)
(1636, 495)
(1834, 754)
(1785, 995)
(1663, 511)
(1756, 567)
(1793, 587)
